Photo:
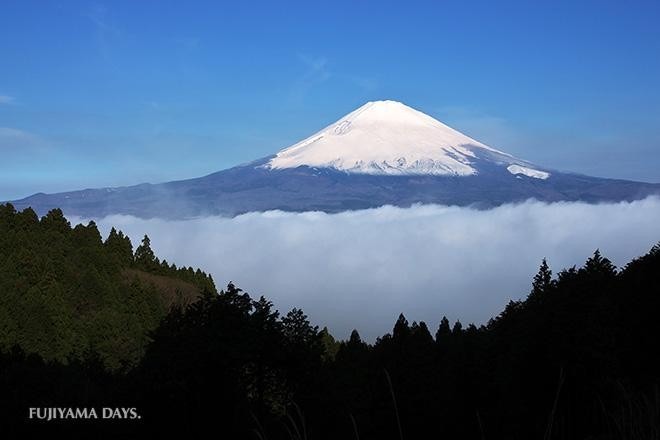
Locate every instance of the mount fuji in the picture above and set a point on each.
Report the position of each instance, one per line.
(388, 137)
(383, 153)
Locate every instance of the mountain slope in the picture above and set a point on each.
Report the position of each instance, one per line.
(385, 137)
(382, 153)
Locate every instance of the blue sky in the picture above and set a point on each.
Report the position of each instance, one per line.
(117, 93)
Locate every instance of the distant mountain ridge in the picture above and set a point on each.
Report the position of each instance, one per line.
(383, 153)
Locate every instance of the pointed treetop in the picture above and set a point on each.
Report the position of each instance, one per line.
(401, 328)
(599, 264)
(542, 280)
(355, 337)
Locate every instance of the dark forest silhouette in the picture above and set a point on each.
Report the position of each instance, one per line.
(82, 324)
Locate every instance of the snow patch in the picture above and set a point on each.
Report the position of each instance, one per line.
(529, 172)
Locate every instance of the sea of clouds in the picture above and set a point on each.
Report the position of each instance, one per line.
(360, 269)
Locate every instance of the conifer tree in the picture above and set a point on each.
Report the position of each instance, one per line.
(330, 345)
(421, 333)
(355, 338)
(144, 255)
(401, 328)
(542, 280)
(443, 331)
(297, 328)
(55, 221)
(120, 248)
(598, 264)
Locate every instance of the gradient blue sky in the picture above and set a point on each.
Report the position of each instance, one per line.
(122, 92)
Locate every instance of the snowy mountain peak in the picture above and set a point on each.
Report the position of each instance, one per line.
(388, 137)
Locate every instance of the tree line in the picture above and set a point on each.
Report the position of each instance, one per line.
(576, 358)
(66, 294)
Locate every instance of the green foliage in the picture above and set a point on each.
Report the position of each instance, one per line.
(329, 343)
(119, 248)
(146, 261)
(63, 291)
(144, 256)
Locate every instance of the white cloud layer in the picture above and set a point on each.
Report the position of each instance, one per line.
(361, 269)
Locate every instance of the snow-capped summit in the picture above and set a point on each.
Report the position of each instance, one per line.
(384, 153)
(388, 137)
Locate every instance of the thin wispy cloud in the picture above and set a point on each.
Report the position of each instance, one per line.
(99, 16)
(315, 73)
(365, 84)
(5, 99)
(13, 138)
(105, 31)
(316, 65)
(361, 269)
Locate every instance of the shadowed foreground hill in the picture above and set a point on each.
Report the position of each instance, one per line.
(577, 359)
(66, 294)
